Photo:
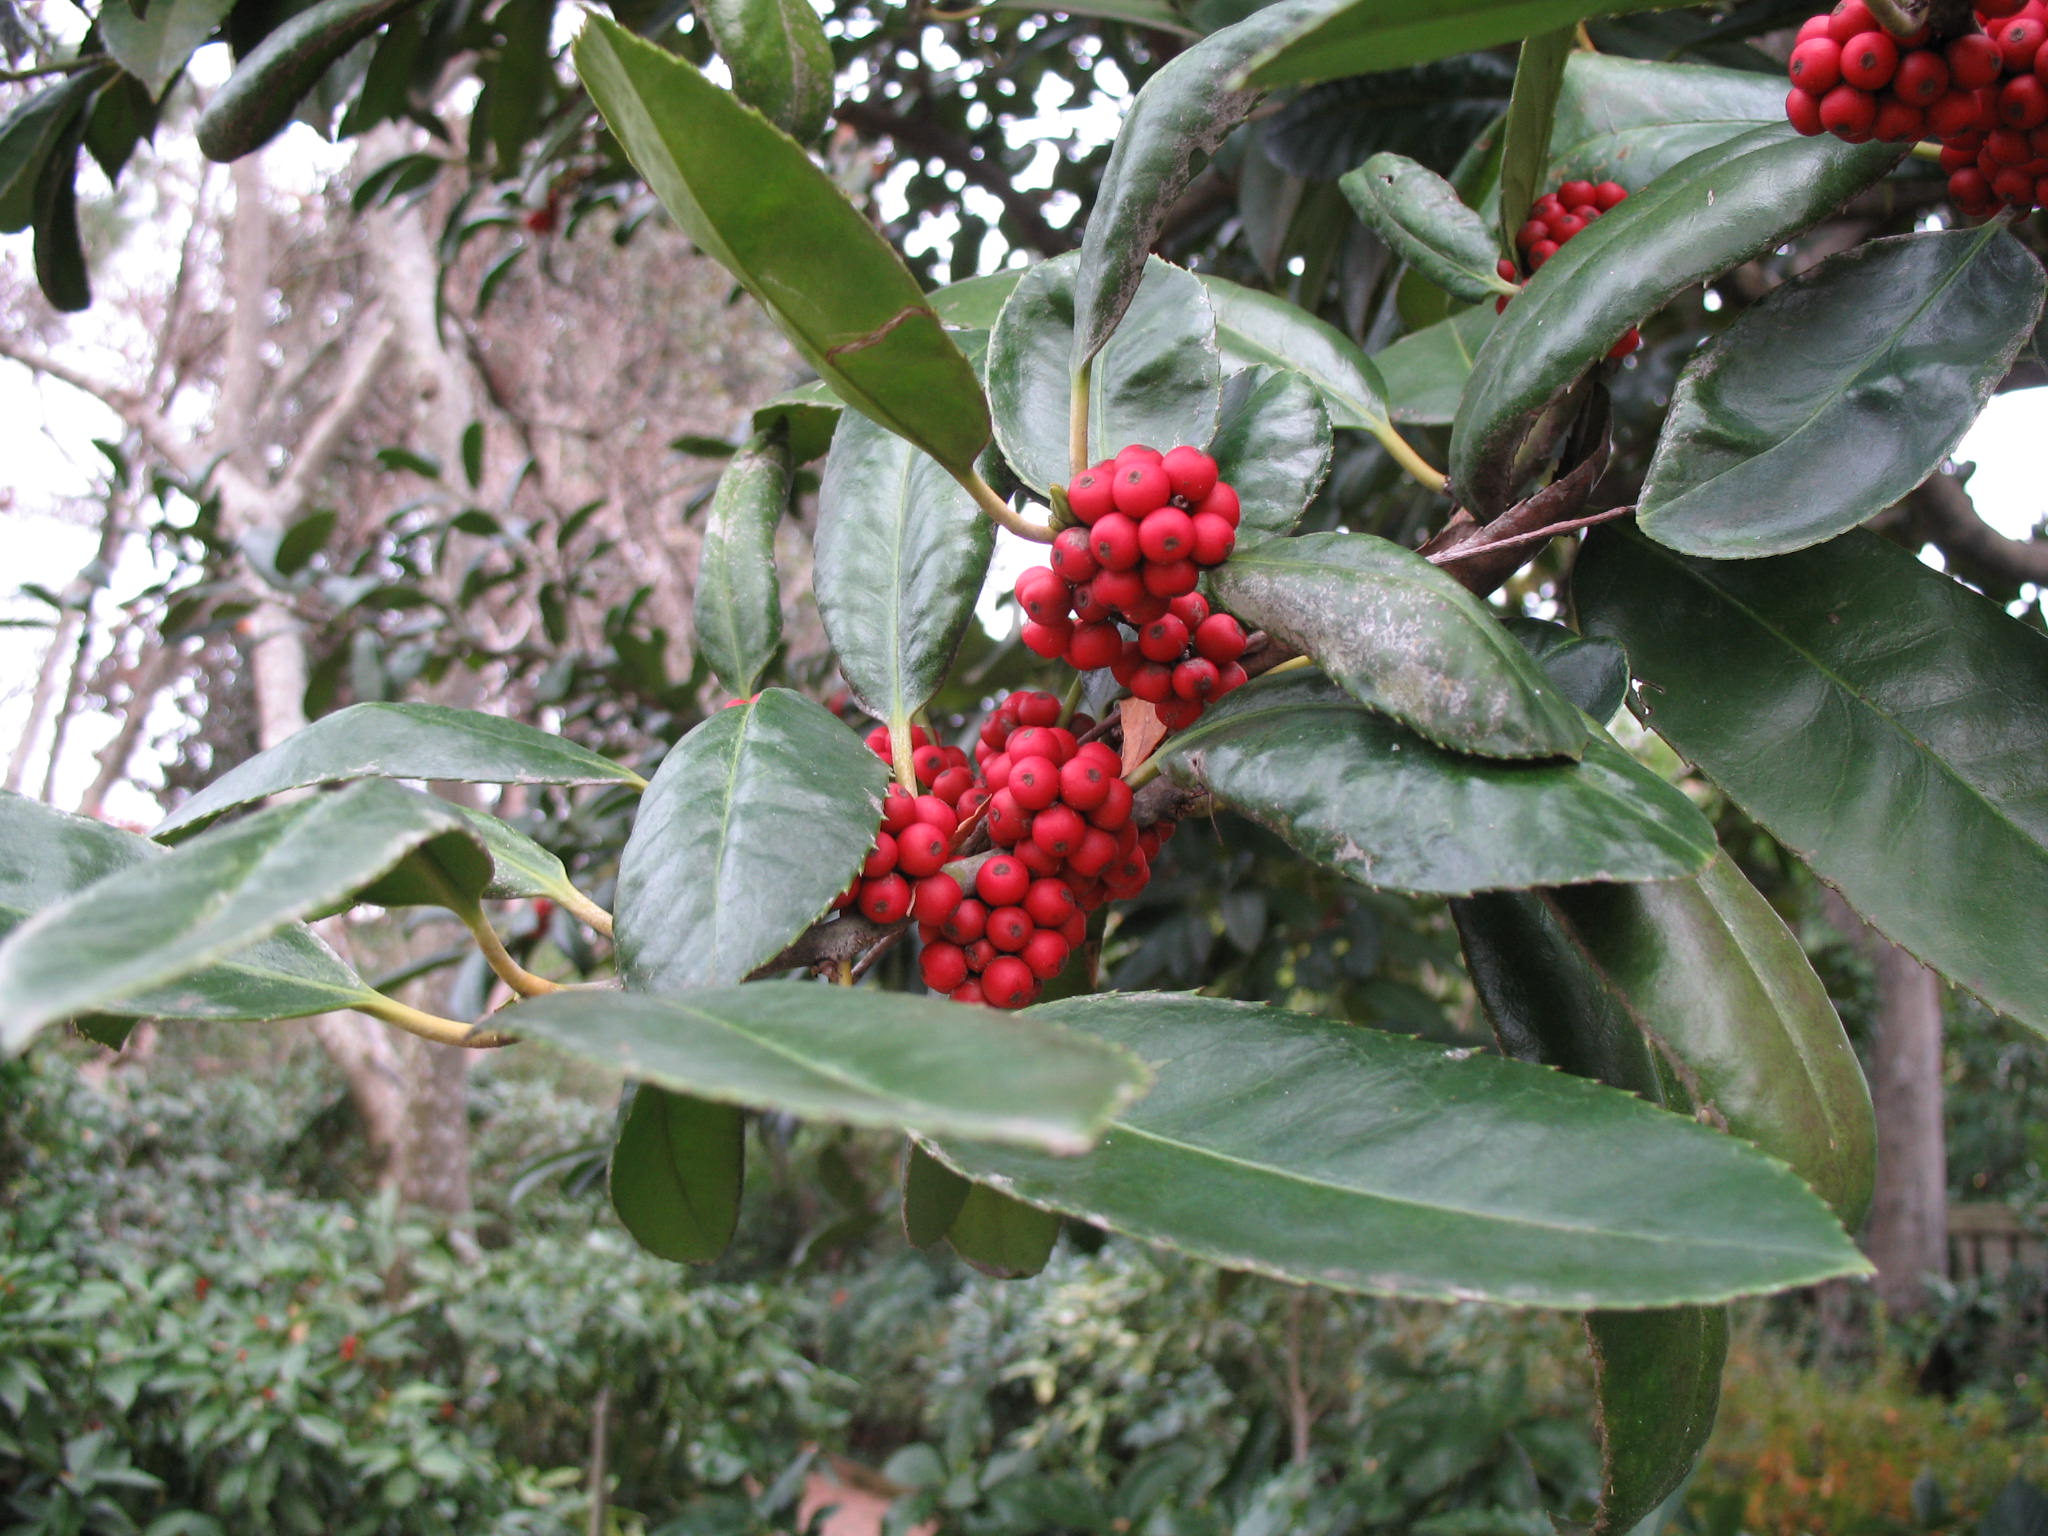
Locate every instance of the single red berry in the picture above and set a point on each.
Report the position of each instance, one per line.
(1092, 646)
(1137, 453)
(928, 762)
(1036, 709)
(2018, 40)
(1036, 861)
(1849, 18)
(921, 850)
(1997, 10)
(1009, 929)
(886, 900)
(1001, 881)
(1152, 682)
(1973, 60)
(1050, 902)
(1046, 740)
(1100, 753)
(1813, 26)
(2023, 102)
(968, 922)
(1046, 953)
(1008, 822)
(1058, 830)
(2014, 186)
(1564, 226)
(1121, 590)
(1922, 79)
(1234, 675)
(1541, 252)
(935, 810)
(1178, 714)
(1897, 122)
(1530, 232)
(1220, 638)
(1084, 783)
(969, 992)
(1075, 929)
(1214, 539)
(1048, 640)
(1163, 639)
(1803, 112)
(1954, 158)
(1115, 810)
(1166, 534)
(1573, 193)
(936, 899)
(952, 784)
(1034, 782)
(995, 772)
(1195, 679)
(1128, 875)
(1139, 487)
(1628, 343)
(1008, 983)
(1190, 610)
(1089, 494)
(1071, 557)
(1848, 113)
(1090, 607)
(1949, 118)
(1147, 607)
(899, 808)
(1508, 271)
(1170, 580)
(881, 859)
(2007, 146)
(1546, 206)
(1221, 502)
(943, 966)
(1608, 194)
(1191, 472)
(1114, 543)
(1095, 849)
(1870, 59)
(1816, 66)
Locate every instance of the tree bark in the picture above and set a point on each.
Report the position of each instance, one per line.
(1906, 1236)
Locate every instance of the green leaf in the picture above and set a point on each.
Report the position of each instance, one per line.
(1157, 382)
(304, 539)
(1657, 1375)
(755, 821)
(932, 1197)
(1403, 637)
(1525, 144)
(272, 79)
(780, 61)
(1840, 392)
(1272, 446)
(1712, 212)
(30, 137)
(901, 551)
(1328, 1154)
(154, 48)
(1592, 673)
(1254, 327)
(160, 920)
(518, 77)
(1423, 220)
(975, 303)
(852, 1055)
(1434, 113)
(1424, 372)
(519, 867)
(473, 454)
(738, 605)
(807, 415)
(1154, 14)
(399, 741)
(1631, 120)
(1878, 719)
(59, 250)
(675, 1173)
(1335, 38)
(1000, 1236)
(748, 195)
(47, 856)
(1355, 791)
(1181, 114)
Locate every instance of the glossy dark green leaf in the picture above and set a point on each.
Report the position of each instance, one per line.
(1357, 37)
(154, 47)
(738, 604)
(160, 920)
(1423, 220)
(1329, 1154)
(1000, 1236)
(675, 1173)
(1879, 719)
(270, 81)
(122, 116)
(932, 1197)
(1424, 373)
(852, 1055)
(519, 867)
(59, 249)
(1360, 793)
(749, 196)
(1157, 382)
(399, 741)
(901, 552)
(1525, 136)
(30, 136)
(1432, 113)
(1657, 1375)
(1254, 327)
(807, 416)
(1788, 427)
(1592, 673)
(1272, 446)
(1403, 637)
(754, 822)
(781, 64)
(1630, 120)
(1713, 211)
(47, 856)
(1178, 116)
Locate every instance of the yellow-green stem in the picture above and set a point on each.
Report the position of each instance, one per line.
(1291, 664)
(587, 912)
(1072, 700)
(902, 753)
(431, 1026)
(1417, 466)
(1077, 420)
(999, 511)
(507, 970)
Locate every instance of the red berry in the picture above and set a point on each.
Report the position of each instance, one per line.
(1235, 677)
(1178, 714)
(1191, 472)
(1050, 902)
(1190, 609)
(1221, 502)
(1166, 534)
(1870, 59)
(1036, 861)
(2007, 146)
(1541, 252)
(1036, 709)
(886, 900)
(1046, 953)
(969, 992)
(1146, 607)
(1995, 10)
(1214, 539)
(1139, 487)
(1137, 453)
(968, 922)
(1008, 983)
(1508, 271)
(1812, 27)
(1090, 607)
(1949, 118)
(1816, 66)
(943, 965)
(2013, 185)
(1009, 929)
(1195, 679)
(1041, 741)
(920, 850)
(1529, 234)
(882, 859)
(2018, 40)
(1572, 193)
(1973, 60)
(936, 899)
(1007, 820)
(1089, 494)
(1546, 207)
(1922, 79)
(2023, 102)
(1084, 783)
(1096, 849)
(1847, 113)
(1849, 18)
(1094, 645)
(1152, 682)
(899, 808)
(1121, 590)
(1071, 557)
(934, 810)
(1564, 226)
(1803, 112)
(1115, 810)
(1630, 340)
(1608, 194)
(1114, 543)
(1897, 122)
(952, 784)
(928, 762)
(1101, 754)
(1034, 782)
(1048, 640)
(1041, 594)
(1001, 881)
(1220, 638)
(1172, 579)
(1058, 830)
(1163, 639)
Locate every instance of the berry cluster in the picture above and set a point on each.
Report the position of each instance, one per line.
(1555, 218)
(1151, 523)
(1983, 96)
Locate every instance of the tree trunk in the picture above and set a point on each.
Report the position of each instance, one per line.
(1907, 1233)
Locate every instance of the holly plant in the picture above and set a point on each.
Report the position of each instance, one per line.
(1674, 1117)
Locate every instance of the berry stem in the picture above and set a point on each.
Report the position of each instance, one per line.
(431, 1026)
(999, 511)
(507, 970)
(1077, 420)
(1893, 17)
(586, 911)
(1291, 664)
(1419, 468)
(1072, 701)
(902, 749)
